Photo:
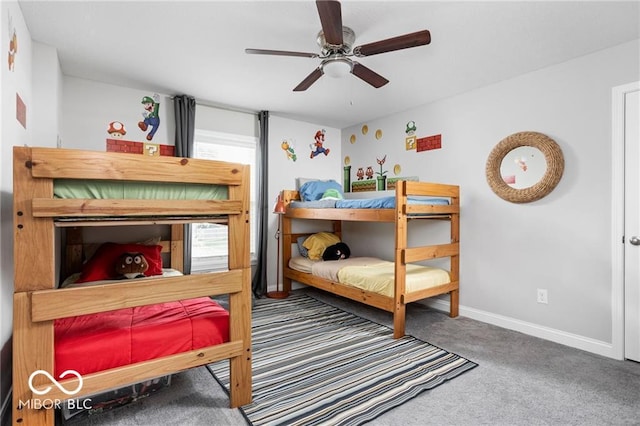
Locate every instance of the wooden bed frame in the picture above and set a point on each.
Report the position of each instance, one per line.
(404, 255)
(37, 301)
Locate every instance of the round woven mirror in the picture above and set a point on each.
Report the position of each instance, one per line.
(543, 156)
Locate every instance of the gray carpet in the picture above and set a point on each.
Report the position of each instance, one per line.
(315, 364)
(521, 380)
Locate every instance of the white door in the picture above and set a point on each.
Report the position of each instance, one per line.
(632, 226)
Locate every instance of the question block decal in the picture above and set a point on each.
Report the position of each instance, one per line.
(132, 147)
(151, 149)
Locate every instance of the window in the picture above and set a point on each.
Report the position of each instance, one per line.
(209, 241)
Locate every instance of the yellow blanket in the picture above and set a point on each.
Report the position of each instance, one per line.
(378, 277)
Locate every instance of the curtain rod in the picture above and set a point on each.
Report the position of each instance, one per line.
(224, 107)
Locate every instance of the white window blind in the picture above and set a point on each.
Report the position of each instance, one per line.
(209, 241)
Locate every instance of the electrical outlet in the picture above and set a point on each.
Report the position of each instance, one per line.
(543, 296)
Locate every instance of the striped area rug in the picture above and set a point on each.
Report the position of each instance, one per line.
(316, 364)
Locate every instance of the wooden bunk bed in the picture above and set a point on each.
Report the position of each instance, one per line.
(403, 213)
(40, 219)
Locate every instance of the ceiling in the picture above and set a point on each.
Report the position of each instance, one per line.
(197, 48)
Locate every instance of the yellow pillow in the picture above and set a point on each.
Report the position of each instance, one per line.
(317, 243)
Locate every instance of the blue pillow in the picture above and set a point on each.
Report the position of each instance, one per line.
(302, 249)
(313, 190)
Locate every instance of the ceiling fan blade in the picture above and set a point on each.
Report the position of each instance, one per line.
(311, 78)
(280, 53)
(331, 20)
(366, 74)
(419, 38)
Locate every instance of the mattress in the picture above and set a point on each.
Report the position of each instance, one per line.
(111, 189)
(96, 342)
(70, 281)
(379, 278)
(367, 203)
(371, 274)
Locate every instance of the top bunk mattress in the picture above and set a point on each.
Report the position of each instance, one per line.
(123, 190)
(368, 203)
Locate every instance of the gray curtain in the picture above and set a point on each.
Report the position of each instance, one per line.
(259, 281)
(185, 112)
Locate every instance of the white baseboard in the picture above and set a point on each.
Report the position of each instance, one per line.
(558, 336)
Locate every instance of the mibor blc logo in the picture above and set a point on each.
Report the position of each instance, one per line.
(55, 382)
(37, 404)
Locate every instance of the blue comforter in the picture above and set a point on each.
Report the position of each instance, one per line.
(367, 203)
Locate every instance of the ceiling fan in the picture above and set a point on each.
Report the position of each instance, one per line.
(336, 41)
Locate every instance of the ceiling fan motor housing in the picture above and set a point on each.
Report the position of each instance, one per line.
(348, 38)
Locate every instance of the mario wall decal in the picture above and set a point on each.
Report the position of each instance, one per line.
(13, 44)
(317, 147)
(150, 114)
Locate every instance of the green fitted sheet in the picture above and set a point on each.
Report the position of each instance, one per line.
(111, 189)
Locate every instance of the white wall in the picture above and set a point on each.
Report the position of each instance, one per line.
(47, 87)
(284, 171)
(226, 121)
(561, 243)
(16, 81)
(89, 106)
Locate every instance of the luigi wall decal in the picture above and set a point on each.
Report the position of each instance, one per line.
(151, 107)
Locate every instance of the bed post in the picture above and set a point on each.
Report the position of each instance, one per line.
(286, 252)
(177, 247)
(240, 303)
(337, 228)
(73, 252)
(454, 296)
(286, 235)
(33, 269)
(400, 269)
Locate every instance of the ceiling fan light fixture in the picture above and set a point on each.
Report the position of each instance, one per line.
(336, 41)
(336, 67)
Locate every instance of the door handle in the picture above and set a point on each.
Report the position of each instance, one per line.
(635, 241)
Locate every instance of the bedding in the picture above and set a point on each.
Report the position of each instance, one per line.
(96, 342)
(101, 266)
(367, 203)
(304, 252)
(387, 202)
(317, 243)
(328, 203)
(72, 280)
(110, 189)
(319, 189)
(370, 273)
(379, 278)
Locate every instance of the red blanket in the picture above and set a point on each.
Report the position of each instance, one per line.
(97, 342)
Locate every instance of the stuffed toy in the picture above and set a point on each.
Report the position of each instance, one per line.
(131, 265)
(336, 252)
